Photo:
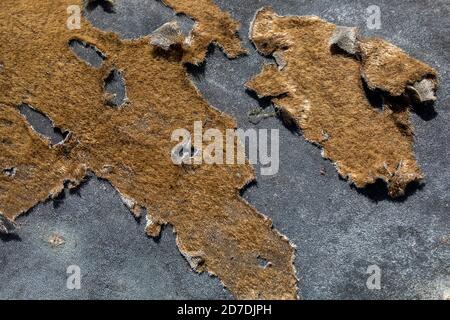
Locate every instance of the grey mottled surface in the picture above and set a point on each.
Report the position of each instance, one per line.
(339, 231)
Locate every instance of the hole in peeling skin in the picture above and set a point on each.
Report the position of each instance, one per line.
(263, 263)
(10, 172)
(115, 89)
(42, 124)
(87, 52)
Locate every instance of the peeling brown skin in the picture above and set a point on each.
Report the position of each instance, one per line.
(212, 26)
(34, 161)
(130, 146)
(388, 68)
(322, 93)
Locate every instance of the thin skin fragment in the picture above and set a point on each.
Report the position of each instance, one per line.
(131, 146)
(167, 35)
(321, 92)
(424, 91)
(345, 38)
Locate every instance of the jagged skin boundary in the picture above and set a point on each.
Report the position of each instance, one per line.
(212, 25)
(322, 93)
(129, 146)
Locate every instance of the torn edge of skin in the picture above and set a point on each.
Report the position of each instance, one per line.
(424, 91)
(152, 227)
(132, 205)
(279, 36)
(346, 38)
(420, 86)
(197, 260)
(66, 135)
(212, 25)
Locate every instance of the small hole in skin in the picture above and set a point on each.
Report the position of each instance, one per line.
(263, 263)
(115, 89)
(10, 172)
(42, 124)
(87, 52)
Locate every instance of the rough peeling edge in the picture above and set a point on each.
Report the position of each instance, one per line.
(289, 121)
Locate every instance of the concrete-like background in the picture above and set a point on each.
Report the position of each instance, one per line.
(339, 230)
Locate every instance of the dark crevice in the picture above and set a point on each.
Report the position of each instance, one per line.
(266, 102)
(106, 5)
(378, 191)
(87, 52)
(70, 188)
(425, 111)
(9, 172)
(251, 184)
(197, 72)
(375, 97)
(42, 124)
(58, 199)
(336, 50)
(115, 89)
(9, 237)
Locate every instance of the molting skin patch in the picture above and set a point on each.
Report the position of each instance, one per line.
(320, 88)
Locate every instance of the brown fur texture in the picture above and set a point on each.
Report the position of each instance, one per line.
(130, 145)
(321, 91)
